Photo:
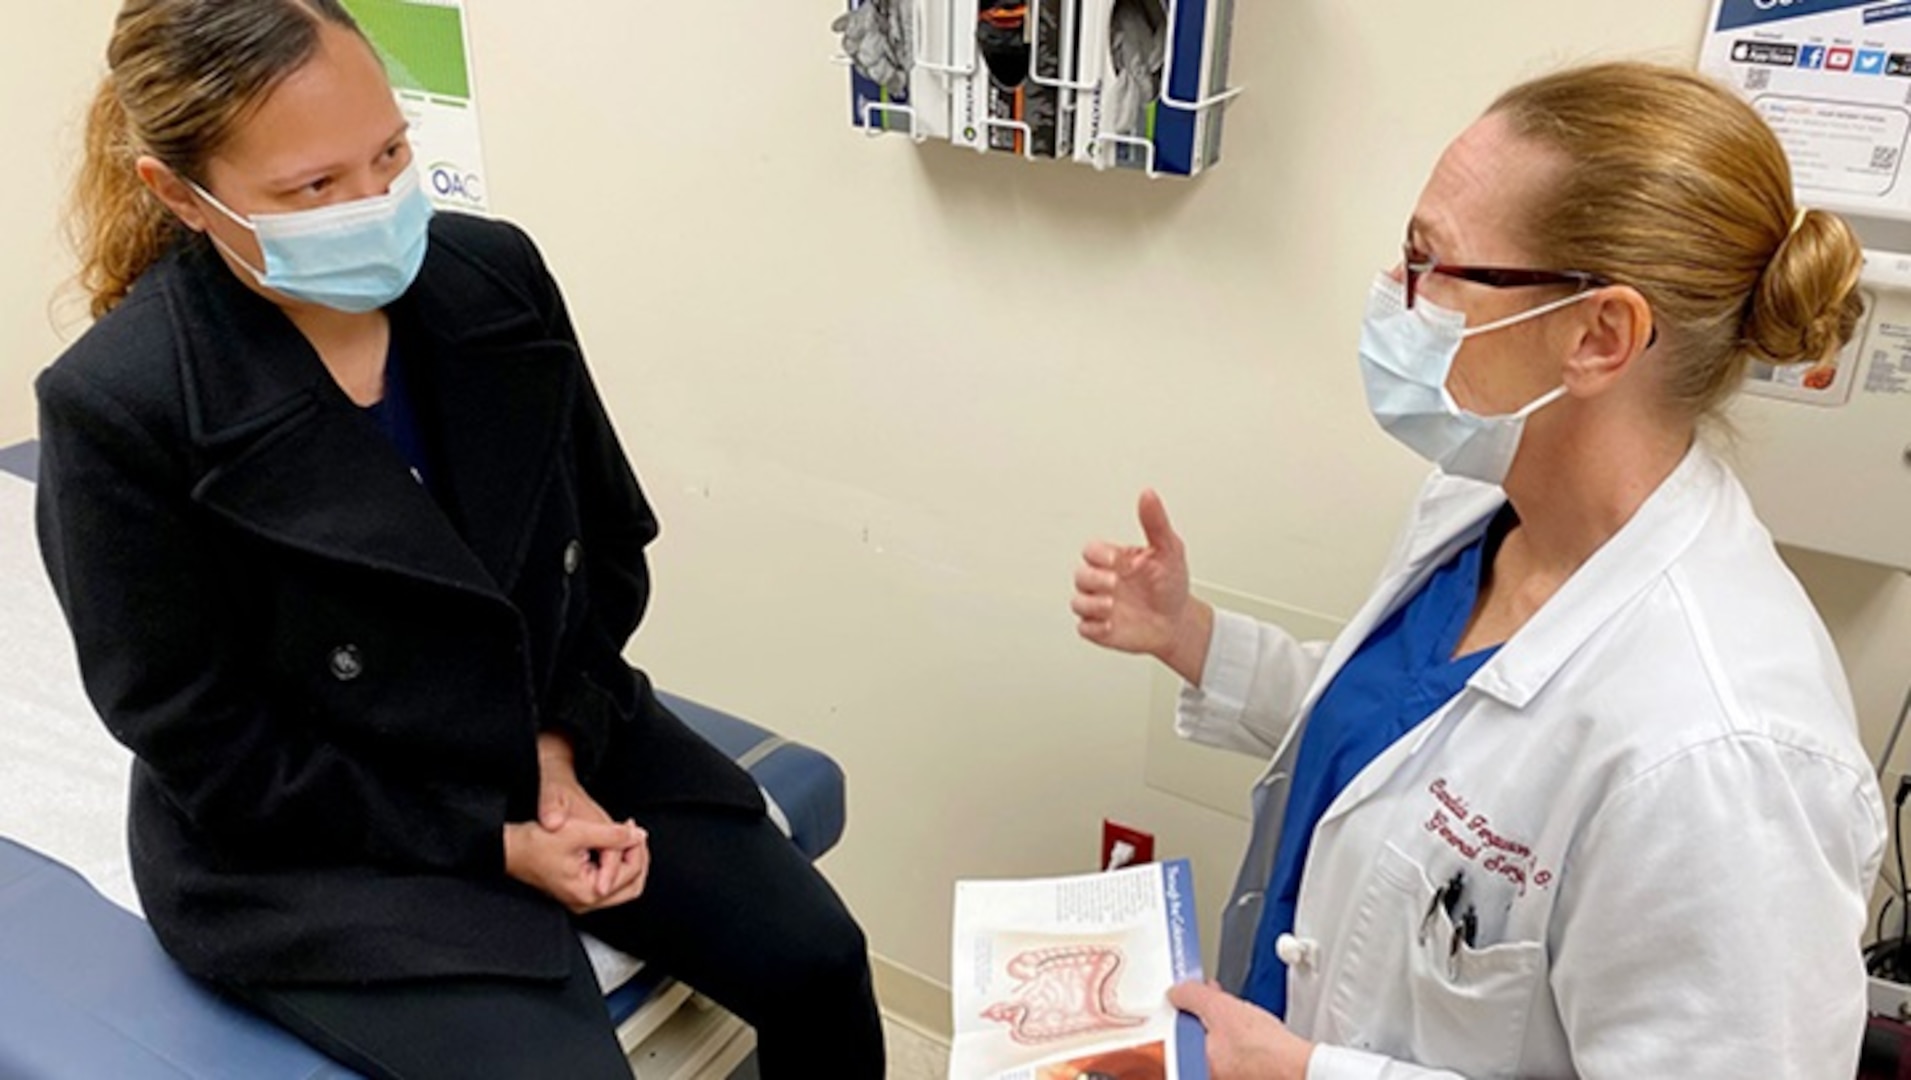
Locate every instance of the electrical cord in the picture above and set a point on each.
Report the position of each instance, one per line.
(1891, 959)
(1884, 912)
(1897, 729)
(1897, 883)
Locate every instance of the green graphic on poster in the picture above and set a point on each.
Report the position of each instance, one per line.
(426, 48)
(422, 45)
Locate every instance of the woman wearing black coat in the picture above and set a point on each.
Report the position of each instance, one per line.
(350, 553)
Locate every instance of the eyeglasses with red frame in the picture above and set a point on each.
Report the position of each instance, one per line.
(1418, 264)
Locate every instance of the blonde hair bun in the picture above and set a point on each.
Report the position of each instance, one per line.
(1674, 186)
(1807, 304)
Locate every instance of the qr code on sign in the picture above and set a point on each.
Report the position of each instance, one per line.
(1758, 78)
(1884, 157)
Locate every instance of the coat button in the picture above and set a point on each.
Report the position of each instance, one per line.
(346, 663)
(1296, 952)
(573, 557)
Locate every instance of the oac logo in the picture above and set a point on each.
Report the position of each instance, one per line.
(454, 184)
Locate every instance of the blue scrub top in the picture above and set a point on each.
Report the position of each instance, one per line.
(1402, 674)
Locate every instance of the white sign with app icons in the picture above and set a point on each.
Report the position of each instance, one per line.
(1833, 78)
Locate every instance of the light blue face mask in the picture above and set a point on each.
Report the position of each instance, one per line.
(1405, 356)
(354, 256)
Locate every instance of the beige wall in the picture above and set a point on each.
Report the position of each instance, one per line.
(881, 393)
(50, 60)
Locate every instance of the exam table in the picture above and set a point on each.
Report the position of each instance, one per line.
(85, 991)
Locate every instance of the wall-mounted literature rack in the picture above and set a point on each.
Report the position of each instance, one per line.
(1121, 84)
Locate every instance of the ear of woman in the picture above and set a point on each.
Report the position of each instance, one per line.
(172, 191)
(1614, 331)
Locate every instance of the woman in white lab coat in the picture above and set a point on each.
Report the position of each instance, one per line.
(1579, 790)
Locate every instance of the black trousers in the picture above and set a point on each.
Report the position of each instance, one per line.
(730, 907)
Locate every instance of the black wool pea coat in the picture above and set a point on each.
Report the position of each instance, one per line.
(332, 677)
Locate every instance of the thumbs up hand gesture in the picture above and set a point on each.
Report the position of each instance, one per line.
(1136, 599)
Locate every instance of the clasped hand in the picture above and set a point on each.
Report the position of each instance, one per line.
(574, 851)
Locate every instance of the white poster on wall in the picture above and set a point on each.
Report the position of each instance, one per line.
(426, 47)
(1833, 78)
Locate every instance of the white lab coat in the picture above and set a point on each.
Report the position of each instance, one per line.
(1655, 793)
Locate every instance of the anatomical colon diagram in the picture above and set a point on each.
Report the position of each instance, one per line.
(1061, 992)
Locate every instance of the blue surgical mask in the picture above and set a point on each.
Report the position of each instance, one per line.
(1405, 356)
(354, 256)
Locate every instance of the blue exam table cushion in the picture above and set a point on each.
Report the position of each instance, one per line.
(22, 459)
(86, 993)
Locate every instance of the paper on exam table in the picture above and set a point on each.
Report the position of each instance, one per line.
(62, 777)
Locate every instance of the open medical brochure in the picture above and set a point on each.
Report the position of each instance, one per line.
(1064, 978)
